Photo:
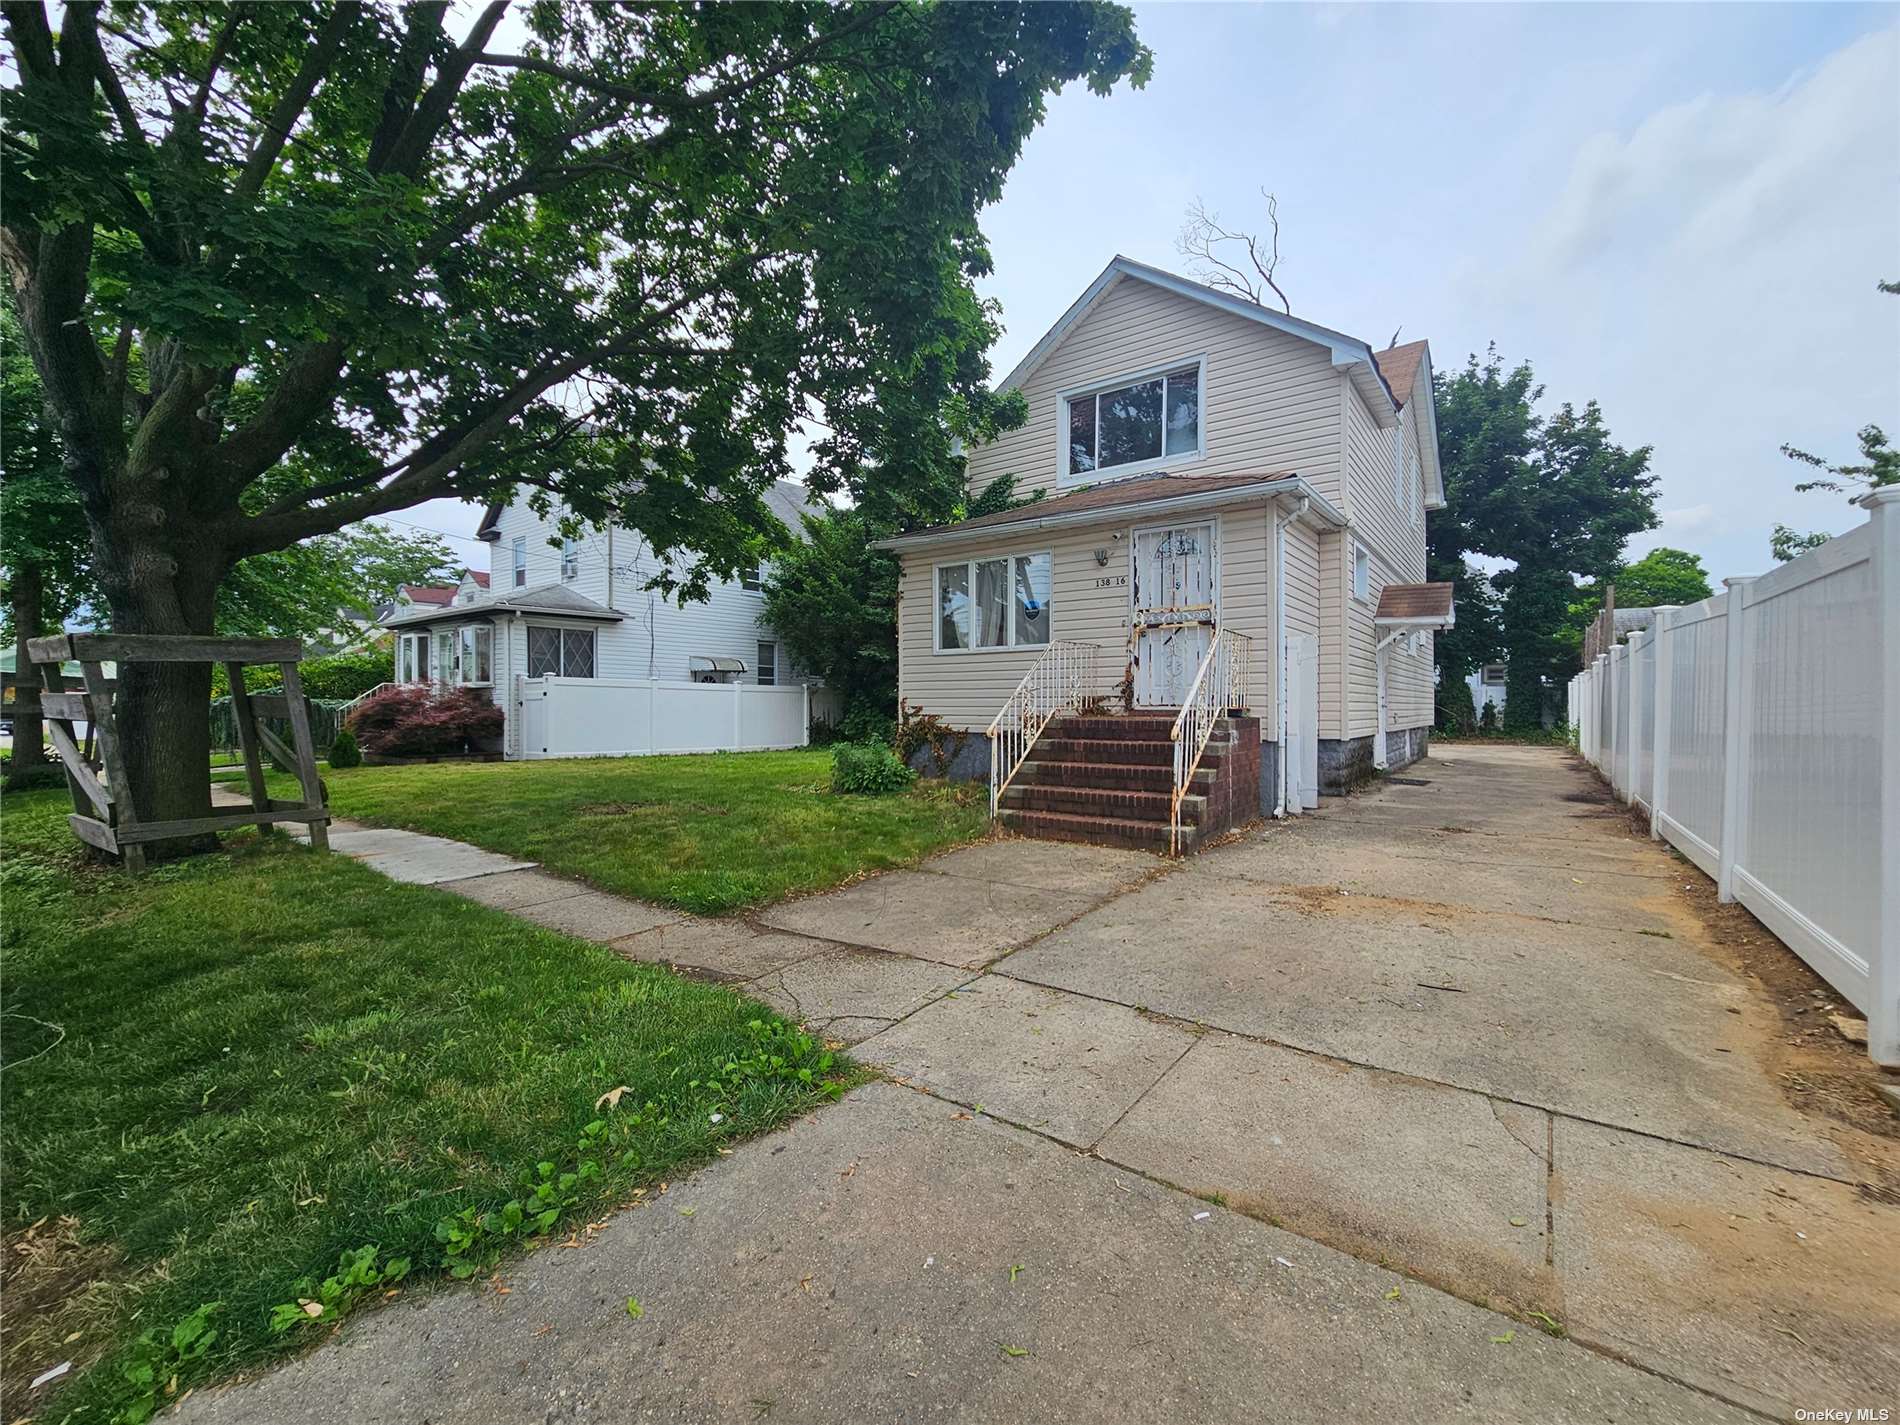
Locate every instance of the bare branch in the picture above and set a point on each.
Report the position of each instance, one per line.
(1203, 238)
(219, 48)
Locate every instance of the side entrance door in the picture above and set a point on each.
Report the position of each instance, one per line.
(1174, 583)
(1302, 745)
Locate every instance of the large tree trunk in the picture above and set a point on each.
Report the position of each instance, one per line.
(162, 709)
(26, 591)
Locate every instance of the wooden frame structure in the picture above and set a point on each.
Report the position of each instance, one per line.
(103, 811)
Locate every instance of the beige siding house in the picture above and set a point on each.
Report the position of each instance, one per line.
(1227, 492)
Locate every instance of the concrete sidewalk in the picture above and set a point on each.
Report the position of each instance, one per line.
(1326, 1123)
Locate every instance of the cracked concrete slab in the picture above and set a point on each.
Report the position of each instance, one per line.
(1774, 1289)
(729, 948)
(1444, 1185)
(1052, 1061)
(1097, 871)
(597, 916)
(512, 890)
(1624, 1029)
(858, 1266)
(952, 919)
(850, 994)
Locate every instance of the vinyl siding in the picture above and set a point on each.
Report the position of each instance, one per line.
(1393, 533)
(1331, 550)
(657, 636)
(967, 688)
(1271, 403)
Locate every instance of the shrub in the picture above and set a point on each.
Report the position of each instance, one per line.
(917, 730)
(29, 779)
(414, 721)
(339, 678)
(344, 752)
(868, 769)
(865, 721)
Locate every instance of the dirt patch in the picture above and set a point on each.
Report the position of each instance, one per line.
(1819, 1071)
(53, 1287)
(1334, 900)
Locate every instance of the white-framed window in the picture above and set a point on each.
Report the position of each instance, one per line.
(570, 559)
(1398, 467)
(1361, 574)
(412, 658)
(1414, 488)
(752, 578)
(768, 665)
(1134, 423)
(1493, 675)
(560, 652)
(521, 560)
(445, 645)
(476, 666)
(999, 602)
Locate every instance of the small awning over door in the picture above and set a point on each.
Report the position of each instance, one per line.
(1408, 607)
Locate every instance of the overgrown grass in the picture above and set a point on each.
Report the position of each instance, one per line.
(706, 833)
(223, 1076)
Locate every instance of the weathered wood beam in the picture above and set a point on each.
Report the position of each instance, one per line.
(162, 648)
(219, 821)
(93, 833)
(78, 773)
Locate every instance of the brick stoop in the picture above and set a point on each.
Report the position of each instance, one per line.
(1107, 780)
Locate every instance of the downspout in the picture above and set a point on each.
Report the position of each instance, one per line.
(1280, 523)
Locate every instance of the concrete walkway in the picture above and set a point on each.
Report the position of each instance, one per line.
(1321, 1125)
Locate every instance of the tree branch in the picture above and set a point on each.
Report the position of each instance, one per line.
(290, 106)
(219, 48)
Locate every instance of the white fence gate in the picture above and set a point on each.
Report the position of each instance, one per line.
(625, 717)
(1760, 730)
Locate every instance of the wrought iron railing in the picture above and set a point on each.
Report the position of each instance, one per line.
(1061, 678)
(1219, 687)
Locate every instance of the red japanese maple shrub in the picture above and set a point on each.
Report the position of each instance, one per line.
(413, 720)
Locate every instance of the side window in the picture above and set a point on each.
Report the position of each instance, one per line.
(521, 560)
(1398, 466)
(570, 559)
(768, 665)
(1361, 574)
(752, 578)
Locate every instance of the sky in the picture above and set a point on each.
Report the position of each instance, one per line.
(1679, 211)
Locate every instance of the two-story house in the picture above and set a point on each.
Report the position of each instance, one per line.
(1229, 558)
(586, 660)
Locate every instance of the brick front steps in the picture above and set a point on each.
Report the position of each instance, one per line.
(1107, 780)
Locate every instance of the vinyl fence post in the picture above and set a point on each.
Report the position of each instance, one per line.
(1734, 739)
(1664, 675)
(1883, 1017)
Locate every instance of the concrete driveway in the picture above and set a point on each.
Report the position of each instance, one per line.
(1439, 1103)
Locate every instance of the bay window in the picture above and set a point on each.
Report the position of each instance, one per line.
(1134, 424)
(994, 603)
(477, 650)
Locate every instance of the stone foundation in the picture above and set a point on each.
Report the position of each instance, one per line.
(1345, 763)
(968, 760)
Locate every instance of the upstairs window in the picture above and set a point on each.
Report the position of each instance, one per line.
(1361, 574)
(768, 665)
(1135, 424)
(752, 578)
(570, 559)
(521, 560)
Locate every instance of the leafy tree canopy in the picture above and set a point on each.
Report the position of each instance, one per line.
(1554, 495)
(1661, 577)
(283, 268)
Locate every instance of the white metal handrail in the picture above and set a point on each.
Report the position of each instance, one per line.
(1220, 686)
(1061, 678)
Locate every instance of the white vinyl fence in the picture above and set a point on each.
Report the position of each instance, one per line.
(1760, 731)
(623, 717)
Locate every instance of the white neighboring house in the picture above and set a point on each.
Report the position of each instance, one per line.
(586, 661)
(1487, 686)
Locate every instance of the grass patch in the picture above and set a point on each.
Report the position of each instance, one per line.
(709, 834)
(271, 1079)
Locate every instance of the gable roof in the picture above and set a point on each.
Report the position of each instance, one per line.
(434, 594)
(1349, 353)
(478, 576)
(555, 599)
(1399, 366)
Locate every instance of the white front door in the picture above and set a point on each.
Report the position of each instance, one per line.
(1173, 576)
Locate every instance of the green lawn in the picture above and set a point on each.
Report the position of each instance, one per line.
(225, 1074)
(706, 833)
